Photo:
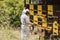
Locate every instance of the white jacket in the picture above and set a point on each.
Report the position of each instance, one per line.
(24, 18)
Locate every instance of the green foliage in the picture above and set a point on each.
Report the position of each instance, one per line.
(10, 10)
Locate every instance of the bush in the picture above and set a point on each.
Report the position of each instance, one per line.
(10, 10)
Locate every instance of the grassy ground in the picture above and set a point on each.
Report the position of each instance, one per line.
(9, 33)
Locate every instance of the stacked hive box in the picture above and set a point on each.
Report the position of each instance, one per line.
(44, 15)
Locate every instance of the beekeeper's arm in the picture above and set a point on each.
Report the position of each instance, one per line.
(28, 21)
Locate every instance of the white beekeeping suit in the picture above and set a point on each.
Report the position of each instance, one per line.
(24, 25)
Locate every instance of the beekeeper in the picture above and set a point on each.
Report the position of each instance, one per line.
(24, 24)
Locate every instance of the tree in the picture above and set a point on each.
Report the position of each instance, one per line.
(10, 10)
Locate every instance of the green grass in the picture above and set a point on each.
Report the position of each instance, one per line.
(9, 33)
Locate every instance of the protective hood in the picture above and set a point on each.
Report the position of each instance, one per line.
(24, 11)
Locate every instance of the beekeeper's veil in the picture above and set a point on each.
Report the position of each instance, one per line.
(25, 10)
